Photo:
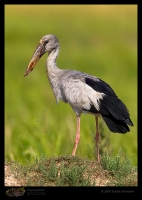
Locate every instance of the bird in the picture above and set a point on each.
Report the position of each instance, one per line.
(85, 93)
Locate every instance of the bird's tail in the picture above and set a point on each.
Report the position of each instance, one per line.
(115, 115)
(115, 125)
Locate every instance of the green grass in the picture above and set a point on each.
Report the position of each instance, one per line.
(99, 40)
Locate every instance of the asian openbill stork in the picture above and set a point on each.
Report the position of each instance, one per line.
(85, 93)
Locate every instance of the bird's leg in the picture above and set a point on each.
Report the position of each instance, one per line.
(77, 138)
(97, 139)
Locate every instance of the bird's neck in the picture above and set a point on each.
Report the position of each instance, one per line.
(54, 73)
(51, 62)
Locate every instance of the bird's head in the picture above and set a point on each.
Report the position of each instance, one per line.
(46, 44)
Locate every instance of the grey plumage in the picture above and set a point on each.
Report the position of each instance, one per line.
(85, 93)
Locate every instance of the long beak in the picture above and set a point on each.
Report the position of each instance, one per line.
(39, 52)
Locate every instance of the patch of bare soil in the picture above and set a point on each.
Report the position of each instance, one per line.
(10, 178)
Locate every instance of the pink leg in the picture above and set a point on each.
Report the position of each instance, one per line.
(77, 136)
(97, 139)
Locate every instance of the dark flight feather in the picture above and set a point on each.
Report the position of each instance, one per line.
(112, 109)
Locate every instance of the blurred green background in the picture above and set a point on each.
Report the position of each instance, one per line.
(97, 39)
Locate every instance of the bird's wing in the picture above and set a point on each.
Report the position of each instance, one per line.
(110, 100)
(99, 85)
(111, 105)
(89, 93)
(96, 83)
(77, 93)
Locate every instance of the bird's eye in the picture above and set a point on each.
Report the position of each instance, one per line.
(46, 42)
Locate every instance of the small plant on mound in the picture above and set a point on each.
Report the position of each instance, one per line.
(120, 168)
